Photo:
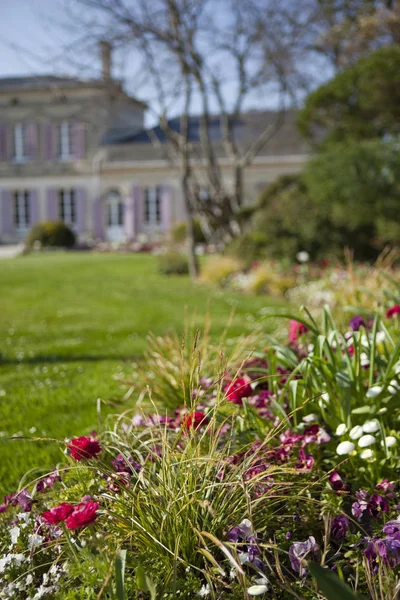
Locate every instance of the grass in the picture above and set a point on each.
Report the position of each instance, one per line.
(68, 323)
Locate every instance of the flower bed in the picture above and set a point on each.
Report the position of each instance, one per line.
(287, 461)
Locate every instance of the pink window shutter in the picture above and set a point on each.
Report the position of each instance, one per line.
(129, 216)
(80, 195)
(52, 205)
(34, 207)
(3, 142)
(49, 138)
(166, 207)
(31, 140)
(7, 220)
(137, 194)
(78, 139)
(98, 222)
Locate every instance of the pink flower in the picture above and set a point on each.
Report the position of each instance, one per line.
(84, 514)
(59, 513)
(296, 329)
(196, 419)
(84, 447)
(393, 310)
(237, 390)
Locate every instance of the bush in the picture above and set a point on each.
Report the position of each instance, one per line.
(251, 246)
(173, 262)
(55, 234)
(217, 269)
(179, 233)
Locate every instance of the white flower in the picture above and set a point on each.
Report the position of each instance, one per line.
(371, 426)
(356, 432)
(302, 256)
(374, 391)
(14, 534)
(204, 591)
(341, 429)
(366, 440)
(324, 400)
(310, 418)
(345, 448)
(257, 590)
(380, 336)
(382, 411)
(393, 387)
(364, 359)
(34, 540)
(365, 454)
(390, 441)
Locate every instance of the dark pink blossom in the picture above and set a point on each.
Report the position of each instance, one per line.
(84, 448)
(386, 486)
(376, 505)
(57, 514)
(393, 310)
(296, 329)
(238, 389)
(336, 481)
(84, 514)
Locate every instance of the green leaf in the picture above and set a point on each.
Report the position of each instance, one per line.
(120, 563)
(364, 410)
(331, 586)
(141, 582)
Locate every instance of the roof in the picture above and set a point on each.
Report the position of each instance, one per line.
(246, 129)
(39, 82)
(54, 82)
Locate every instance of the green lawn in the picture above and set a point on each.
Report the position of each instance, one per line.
(69, 322)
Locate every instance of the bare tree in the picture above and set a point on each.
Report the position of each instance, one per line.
(209, 56)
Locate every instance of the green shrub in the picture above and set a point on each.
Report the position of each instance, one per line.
(179, 233)
(251, 246)
(173, 263)
(55, 234)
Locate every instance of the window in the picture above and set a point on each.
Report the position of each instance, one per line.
(152, 206)
(67, 205)
(65, 140)
(22, 217)
(115, 217)
(19, 143)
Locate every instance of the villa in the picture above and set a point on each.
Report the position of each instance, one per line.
(79, 151)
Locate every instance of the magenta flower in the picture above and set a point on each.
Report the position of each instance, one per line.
(296, 329)
(125, 465)
(393, 310)
(237, 390)
(84, 448)
(57, 514)
(358, 509)
(47, 482)
(386, 486)
(392, 529)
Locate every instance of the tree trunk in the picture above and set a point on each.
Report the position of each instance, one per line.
(192, 256)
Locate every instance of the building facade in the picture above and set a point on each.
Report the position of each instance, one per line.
(77, 151)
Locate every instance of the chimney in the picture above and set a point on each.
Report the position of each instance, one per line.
(105, 50)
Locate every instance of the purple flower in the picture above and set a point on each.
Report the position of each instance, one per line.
(358, 509)
(242, 534)
(289, 535)
(392, 528)
(356, 322)
(361, 494)
(47, 482)
(23, 498)
(125, 465)
(298, 551)
(339, 527)
(336, 481)
(376, 505)
(306, 461)
(386, 550)
(386, 486)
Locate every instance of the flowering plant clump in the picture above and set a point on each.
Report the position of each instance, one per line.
(286, 459)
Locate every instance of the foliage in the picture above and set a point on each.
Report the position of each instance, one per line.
(173, 262)
(51, 234)
(361, 102)
(70, 324)
(179, 233)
